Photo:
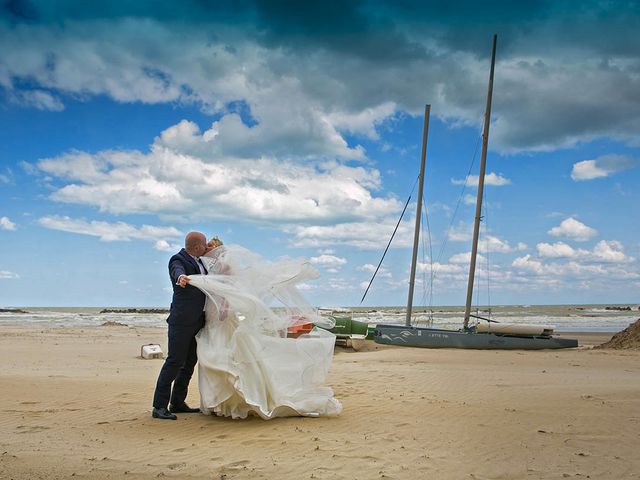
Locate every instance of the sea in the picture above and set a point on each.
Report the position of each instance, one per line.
(565, 318)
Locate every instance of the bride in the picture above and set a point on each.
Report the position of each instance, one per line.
(247, 365)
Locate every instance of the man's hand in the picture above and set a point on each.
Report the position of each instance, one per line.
(182, 281)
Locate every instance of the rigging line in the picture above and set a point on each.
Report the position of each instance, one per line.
(486, 230)
(423, 299)
(424, 296)
(485, 239)
(464, 186)
(423, 250)
(390, 240)
(453, 217)
(477, 292)
(430, 265)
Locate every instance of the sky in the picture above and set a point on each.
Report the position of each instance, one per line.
(295, 130)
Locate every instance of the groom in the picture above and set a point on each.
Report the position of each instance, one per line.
(186, 318)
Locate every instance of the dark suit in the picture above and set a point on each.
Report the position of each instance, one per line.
(186, 318)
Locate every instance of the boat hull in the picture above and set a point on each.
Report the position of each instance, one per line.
(439, 338)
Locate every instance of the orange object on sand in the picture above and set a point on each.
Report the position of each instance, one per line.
(295, 331)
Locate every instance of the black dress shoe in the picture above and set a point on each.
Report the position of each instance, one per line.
(163, 414)
(183, 408)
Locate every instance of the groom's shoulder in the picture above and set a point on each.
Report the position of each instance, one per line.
(178, 256)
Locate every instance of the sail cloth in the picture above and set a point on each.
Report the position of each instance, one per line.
(514, 329)
(247, 365)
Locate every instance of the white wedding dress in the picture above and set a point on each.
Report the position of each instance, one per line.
(247, 365)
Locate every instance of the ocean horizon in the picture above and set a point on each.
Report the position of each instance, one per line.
(610, 317)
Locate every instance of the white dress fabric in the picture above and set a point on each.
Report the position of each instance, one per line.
(247, 365)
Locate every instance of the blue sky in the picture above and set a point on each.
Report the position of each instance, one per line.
(295, 131)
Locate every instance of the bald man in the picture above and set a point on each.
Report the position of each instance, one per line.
(186, 318)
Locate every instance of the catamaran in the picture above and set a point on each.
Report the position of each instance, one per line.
(484, 333)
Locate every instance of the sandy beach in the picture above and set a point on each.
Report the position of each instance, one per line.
(76, 403)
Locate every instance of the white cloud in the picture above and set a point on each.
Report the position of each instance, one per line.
(604, 265)
(441, 269)
(6, 224)
(573, 229)
(610, 251)
(528, 263)
(603, 166)
(112, 232)
(112, 58)
(491, 243)
(462, 232)
(5, 274)
(363, 235)
(367, 267)
(77, 165)
(330, 261)
(465, 258)
(493, 179)
(469, 199)
(188, 175)
(605, 251)
(370, 268)
(38, 99)
(556, 250)
(364, 121)
(306, 90)
(165, 246)
(7, 177)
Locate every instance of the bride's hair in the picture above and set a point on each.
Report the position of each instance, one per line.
(215, 242)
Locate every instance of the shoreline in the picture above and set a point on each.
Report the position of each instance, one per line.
(568, 319)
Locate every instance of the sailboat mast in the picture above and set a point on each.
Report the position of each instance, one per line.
(416, 233)
(483, 164)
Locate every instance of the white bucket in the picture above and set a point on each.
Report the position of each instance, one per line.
(151, 350)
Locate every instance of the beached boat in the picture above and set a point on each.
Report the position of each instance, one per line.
(486, 333)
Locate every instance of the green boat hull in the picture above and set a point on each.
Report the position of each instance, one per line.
(347, 328)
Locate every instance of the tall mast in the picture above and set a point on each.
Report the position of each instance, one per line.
(483, 164)
(416, 233)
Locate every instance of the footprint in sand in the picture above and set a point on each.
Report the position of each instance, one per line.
(239, 465)
(31, 429)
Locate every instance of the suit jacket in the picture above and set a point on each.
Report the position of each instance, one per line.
(188, 302)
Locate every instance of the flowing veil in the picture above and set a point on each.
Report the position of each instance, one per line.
(246, 362)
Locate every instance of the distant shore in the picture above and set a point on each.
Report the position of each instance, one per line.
(134, 310)
(628, 306)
